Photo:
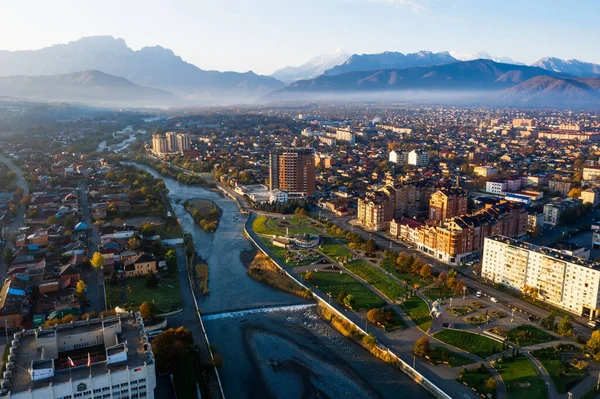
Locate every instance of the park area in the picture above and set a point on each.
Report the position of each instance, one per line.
(564, 366)
(478, 379)
(521, 379)
(441, 355)
(334, 282)
(295, 225)
(377, 279)
(418, 311)
(479, 345)
(165, 296)
(524, 335)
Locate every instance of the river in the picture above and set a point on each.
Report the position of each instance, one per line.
(285, 351)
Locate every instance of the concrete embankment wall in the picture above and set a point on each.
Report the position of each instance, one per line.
(212, 358)
(402, 365)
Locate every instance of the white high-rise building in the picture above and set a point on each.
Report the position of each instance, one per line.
(418, 158)
(159, 144)
(183, 142)
(564, 281)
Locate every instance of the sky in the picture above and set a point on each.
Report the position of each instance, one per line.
(264, 35)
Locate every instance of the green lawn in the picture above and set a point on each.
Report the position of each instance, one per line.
(526, 335)
(564, 376)
(295, 223)
(476, 344)
(334, 283)
(408, 278)
(166, 296)
(334, 250)
(418, 311)
(521, 379)
(442, 355)
(376, 278)
(476, 379)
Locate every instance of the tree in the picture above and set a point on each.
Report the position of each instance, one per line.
(33, 214)
(349, 301)
(173, 349)
(565, 327)
(341, 296)
(151, 280)
(490, 384)
(549, 321)
(370, 245)
(97, 261)
(374, 316)
(442, 278)
(8, 256)
(148, 310)
(593, 344)
(422, 347)
(52, 220)
(309, 276)
(80, 289)
(425, 271)
(26, 200)
(134, 243)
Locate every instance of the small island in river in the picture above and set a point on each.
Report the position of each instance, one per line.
(204, 212)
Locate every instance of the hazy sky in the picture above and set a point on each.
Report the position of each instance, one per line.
(263, 35)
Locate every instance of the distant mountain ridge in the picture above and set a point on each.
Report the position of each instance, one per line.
(150, 66)
(390, 60)
(86, 86)
(312, 68)
(571, 67)
(483, 55)
(477, 82)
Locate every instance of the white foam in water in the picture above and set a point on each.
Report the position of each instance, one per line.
(239, 313)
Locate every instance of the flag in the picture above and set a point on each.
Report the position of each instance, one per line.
(71, 363)
(89, 360)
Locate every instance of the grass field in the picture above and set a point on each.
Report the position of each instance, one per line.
(476, 379)
(334, 283)
(408, 278)
(564, 376)
(521, 379)
(418, 311)
(441, 292)
(473, 343)
(442, 355)
(334, 250)
(526, 335)
(296, 224)
(166, 296)
(376, 278)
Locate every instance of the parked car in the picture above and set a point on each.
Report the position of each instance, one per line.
(493, 299)
(478, 294)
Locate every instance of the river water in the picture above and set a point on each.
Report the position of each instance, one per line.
(285, 351)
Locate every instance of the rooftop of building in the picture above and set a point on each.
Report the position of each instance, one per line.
(552, 253)
(29, 354)
(564, 246)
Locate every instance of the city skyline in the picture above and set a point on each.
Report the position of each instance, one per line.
(264, 36)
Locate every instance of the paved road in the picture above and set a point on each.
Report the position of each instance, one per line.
(17, 222)
(94, 280)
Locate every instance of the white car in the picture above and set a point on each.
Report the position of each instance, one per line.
(478, 294)
(493, 299)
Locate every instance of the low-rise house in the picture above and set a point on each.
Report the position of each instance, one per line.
(140, 265)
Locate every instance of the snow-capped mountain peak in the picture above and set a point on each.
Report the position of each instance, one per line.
(312, 68)
(483, 55)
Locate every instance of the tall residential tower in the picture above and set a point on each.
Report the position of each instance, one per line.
(292, 170)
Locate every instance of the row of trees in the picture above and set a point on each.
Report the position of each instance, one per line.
(285, 208)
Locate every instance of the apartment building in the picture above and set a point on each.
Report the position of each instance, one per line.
(292, 170)
(183, 142)
(345, 135)
(555, 208)
(591, 173)
(171, 141)
(485, 171)
(460, 238)
(564, 281)
(159, 144)
(375, 210)
(418, 158)
(591, 196)
(447, 203)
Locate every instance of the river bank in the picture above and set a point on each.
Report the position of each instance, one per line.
(252, 364)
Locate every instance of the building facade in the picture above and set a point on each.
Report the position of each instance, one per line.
(159, 144)
(447, 203)
(561, 280)
(292, 170)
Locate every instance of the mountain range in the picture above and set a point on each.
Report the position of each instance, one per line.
(103, 69)
(156, 67)
(466, 82)
(390, 60)
(571, 67)
(87, 86)
(312, 68)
